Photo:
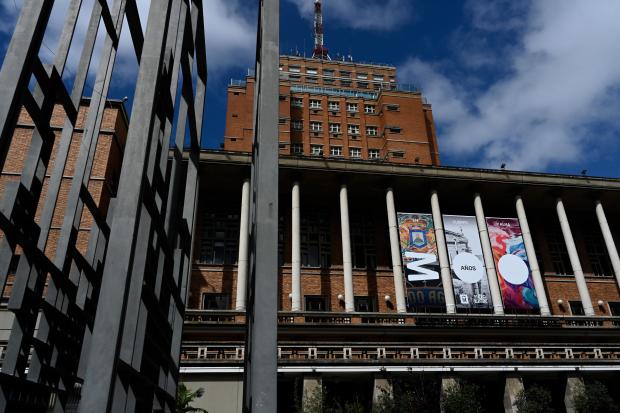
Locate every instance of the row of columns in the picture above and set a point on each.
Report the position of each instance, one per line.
(313, 393)
(445, 273)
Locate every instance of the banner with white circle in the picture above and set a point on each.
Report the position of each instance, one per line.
(469, 279)
(513, 270)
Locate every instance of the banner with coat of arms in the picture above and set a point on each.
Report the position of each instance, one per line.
(418, 247)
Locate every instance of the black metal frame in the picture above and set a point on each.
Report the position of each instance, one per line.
(89, 352)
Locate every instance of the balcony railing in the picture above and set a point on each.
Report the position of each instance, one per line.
(198, 317)
(446, 352)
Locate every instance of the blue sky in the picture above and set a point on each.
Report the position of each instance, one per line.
(533, 84)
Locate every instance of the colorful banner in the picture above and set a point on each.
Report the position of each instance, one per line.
(421, 265)
(469, 278)
(513, 270)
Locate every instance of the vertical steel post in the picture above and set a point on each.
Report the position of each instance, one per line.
(260, 379)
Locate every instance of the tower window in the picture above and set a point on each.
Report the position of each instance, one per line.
(317, 150)
(315, 104)
(355, 153)
(371, 130)
(316, 126)
(373, 153)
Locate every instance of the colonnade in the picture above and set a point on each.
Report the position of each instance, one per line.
(445, 273)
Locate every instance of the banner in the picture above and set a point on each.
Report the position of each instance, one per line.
(421, 265)
(513, 270)
(469, 278)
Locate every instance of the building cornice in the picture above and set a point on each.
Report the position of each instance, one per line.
(420, 171)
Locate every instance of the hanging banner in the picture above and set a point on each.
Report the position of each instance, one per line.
(513, 270)
(469, 278)
(421, 265)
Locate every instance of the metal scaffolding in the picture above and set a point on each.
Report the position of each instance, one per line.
(101, 331)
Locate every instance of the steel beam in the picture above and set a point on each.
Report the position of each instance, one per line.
(260, 378)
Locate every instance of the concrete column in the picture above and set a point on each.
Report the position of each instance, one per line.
(347, 265)
(582, 286)
(382, 387)
(397, 269)
(447, 383)
(442, 249)
(574, 385)
(244, 238)
(312, 396)
(296, 250)
(609, 239)
(531, 257)
(514, 386)
(487, 251)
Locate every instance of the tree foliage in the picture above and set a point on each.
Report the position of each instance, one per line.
(462, 397)
(594, 397)
(535, 399)
(415, 394)
(186, 397)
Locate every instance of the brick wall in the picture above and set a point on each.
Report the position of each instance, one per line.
(105, 169)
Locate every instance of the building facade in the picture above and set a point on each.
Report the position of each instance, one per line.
(393, 268)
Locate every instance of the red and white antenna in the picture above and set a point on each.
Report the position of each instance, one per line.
(320, 51)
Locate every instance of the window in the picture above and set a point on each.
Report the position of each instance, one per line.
(316, 126)
(371, 130)
(557, 251)
(345, 74)
(312, 70)
(282, 121)
(576, 308)
(282, 98)
(364, 304)
(398, 154)
(373, 153)
(378, 78)
(312, 79)
(362, 85)
(351, 107)
(328, 72)
(297, 125)
(317, 150)
(392, 108)
(336, 151)
(315, 234)
(328, 81)
(334, 106)
(297, 102)
(219, 238)
(394, 129)
(215, 301)
(363, 241)
(298, 148)
(294, 69)
(334, 128)
(295, 78)
(353, 129)
(597, 252)
(345, 83)
(614, 309)
(362, 76)
(355, 153)
(315, 104)
(316, 303)
(369, 108)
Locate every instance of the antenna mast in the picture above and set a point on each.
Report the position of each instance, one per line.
(320, 51)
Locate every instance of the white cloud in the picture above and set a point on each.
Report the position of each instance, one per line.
(230, 34)
(556, 101)
(367, 14)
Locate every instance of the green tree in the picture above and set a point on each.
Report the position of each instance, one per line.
(462, 397)
(186, 397)
(535, 399)
(594, 398)
(415, 393)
